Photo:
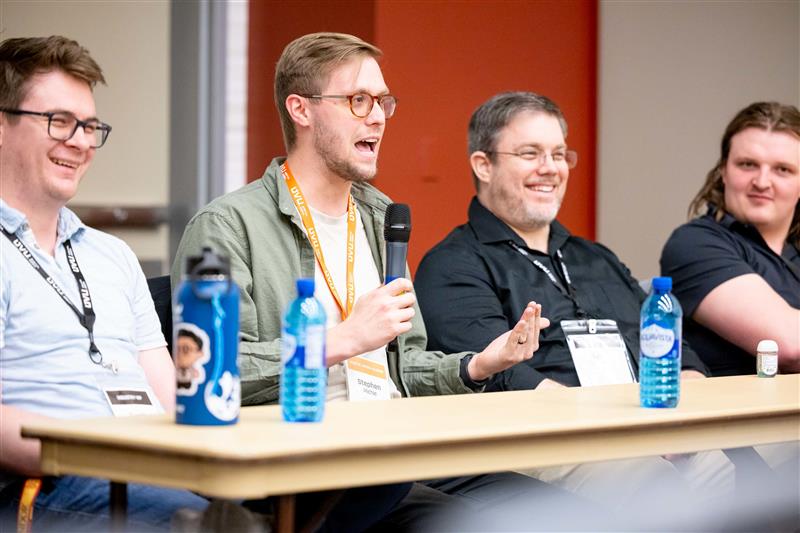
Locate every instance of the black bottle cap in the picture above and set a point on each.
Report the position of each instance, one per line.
(208, 263)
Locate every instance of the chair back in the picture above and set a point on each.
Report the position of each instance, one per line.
(161, 291)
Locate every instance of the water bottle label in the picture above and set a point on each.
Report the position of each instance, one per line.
(315, 346)
(656, 341)
(288, 346)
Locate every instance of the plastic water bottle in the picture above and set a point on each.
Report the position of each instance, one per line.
(305, 374)
(660, 337)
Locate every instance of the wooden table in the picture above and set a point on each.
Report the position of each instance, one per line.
(419, 438)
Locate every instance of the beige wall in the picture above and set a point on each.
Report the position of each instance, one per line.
(130, 41)
(672, 74)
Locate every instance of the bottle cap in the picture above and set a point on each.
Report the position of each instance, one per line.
(207, 263)
(662, 284)
(767, 345)
(305, 287)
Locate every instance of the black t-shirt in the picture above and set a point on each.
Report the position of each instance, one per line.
(703, 254)
(474, 285)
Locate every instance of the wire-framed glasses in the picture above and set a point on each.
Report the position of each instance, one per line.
(559, 157)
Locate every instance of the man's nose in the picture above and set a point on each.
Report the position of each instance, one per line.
(80, 139)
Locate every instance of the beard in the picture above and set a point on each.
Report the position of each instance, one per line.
(325, 143)
(521, 214)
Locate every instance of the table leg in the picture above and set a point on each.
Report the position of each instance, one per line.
(286, 510)
(118, 505)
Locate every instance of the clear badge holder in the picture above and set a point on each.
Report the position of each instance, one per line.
(598, 352)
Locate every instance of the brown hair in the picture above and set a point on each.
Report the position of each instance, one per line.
(23, 57)
(492, 116)
(304, 67)
(769, 116)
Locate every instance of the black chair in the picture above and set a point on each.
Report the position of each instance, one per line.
(161, 291)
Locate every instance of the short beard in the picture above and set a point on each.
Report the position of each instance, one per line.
(520, 214)
(324, 143)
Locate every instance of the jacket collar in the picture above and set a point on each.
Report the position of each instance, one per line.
(490, 230)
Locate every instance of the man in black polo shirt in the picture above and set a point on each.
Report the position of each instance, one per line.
(744, 241)
(512, 251)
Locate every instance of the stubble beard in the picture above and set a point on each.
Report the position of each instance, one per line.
(325, 143)
(523, 215)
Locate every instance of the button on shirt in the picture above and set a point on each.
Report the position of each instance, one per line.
(474, 285)
(703, 254)
(43, 347)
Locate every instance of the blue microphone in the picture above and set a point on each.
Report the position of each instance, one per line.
(396, 231)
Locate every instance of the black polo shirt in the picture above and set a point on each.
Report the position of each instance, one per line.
(703, 254)
(474, 285)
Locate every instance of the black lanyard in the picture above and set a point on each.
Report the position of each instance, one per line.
(87, 317)
(565, 287)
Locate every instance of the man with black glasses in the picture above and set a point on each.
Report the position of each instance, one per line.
(76, 317)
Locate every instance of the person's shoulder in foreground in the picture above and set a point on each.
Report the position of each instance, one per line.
(744, 241)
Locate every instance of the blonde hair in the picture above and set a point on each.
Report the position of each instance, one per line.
(306, 64)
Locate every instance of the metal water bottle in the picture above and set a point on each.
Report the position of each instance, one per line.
(206, 342)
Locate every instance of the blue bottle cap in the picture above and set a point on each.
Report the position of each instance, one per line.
(663, 284)
(305, 287)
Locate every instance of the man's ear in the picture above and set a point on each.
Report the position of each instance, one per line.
(297, 106)
(481, 166)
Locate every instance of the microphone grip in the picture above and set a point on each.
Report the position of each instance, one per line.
(396, 253)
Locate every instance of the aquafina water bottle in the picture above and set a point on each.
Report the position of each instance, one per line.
(660, 337)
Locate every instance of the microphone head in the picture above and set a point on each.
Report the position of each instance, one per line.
(397, 224)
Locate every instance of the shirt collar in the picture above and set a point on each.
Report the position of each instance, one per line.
(490, 229)
(750, 232)
(69, 225)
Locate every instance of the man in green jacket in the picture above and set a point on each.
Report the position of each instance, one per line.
(313, 214)
(333, 104)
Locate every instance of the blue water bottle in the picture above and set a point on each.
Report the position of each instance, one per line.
(305, 374)
(660, 337)
(206, 343)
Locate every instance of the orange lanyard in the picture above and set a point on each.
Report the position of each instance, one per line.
(305, 215)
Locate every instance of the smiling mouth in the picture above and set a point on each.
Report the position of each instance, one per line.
(63, 163)
(542, 188)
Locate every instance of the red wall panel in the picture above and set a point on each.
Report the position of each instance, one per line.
(442, 59)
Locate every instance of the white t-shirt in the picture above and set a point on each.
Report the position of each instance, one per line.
(332, 232)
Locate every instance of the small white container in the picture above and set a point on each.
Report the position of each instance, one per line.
(767, 359)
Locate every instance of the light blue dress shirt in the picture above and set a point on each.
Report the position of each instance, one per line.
(44, 350)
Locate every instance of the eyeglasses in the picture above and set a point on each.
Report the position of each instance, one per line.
(361, 104)
(62, 125)
(559, 157)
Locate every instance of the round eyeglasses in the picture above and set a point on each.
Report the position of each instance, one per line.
(361, 104)
(62, 125)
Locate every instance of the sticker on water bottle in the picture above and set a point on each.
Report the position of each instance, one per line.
(656, 341)
(192, 351)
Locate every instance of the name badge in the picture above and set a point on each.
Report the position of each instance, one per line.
(130, 399)
(368, 377)
(598, 352)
